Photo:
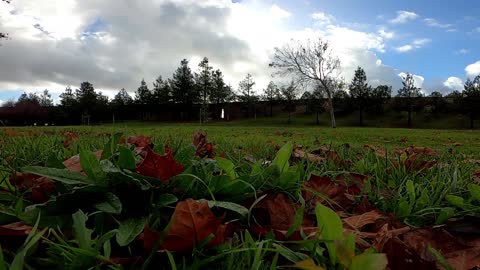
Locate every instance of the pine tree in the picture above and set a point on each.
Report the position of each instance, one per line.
(183, 85)
(122, 98)
(161, 91)
(360, 92)
(471, 99)
(67, 98)
(410, 93)
(204, 84)
(271, 94)
(46, 99)
(247, 94)
(143, 95)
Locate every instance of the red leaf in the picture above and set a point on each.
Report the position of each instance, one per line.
(15, 229)
(277, 213)
(193, 222)
(204, 149)
(41, 187)
(158, 166)
(140, 141)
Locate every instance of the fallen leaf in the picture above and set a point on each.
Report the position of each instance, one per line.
(307, 264)
(324, 190)
(140, 141)
(276, 213)
(357, 222)
(41, 187)
(203, 148)
(192, 223)
(15, 229)
(380, 152)
(73, 163)
(68, 138)
(158, 166)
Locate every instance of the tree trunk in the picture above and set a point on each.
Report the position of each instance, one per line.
(289, 117)
(271, 109)
(409, 117)
(332, 111)
(361, 116)
(318, 120)
(471, 120)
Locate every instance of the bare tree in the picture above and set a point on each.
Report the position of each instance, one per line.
(4, 35)
(310, 63)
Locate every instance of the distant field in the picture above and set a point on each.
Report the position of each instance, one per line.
(258, 178)
(257, 140)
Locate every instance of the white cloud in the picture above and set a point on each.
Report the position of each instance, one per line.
(278, 12)
(129, 42)
(417, 79)
(416, 44)
(434, 23)
(386, 34)
(421, 42)
(404, 48)
(404, 16)
(453, 83)
(462, 51)
(1, 102)
(322, 18)
(473, 69)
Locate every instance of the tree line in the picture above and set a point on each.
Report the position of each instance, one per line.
(310, 65)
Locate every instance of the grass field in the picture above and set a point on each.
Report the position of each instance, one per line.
(266, 190)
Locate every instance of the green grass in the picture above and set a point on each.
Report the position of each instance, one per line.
(417, 198)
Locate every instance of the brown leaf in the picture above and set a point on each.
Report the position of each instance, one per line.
(140, 141)
(204, 149)
(192, 223)
(73, 163)
(68, 138)
(158, 166)
(457, 254)
(335, 194)
(41, 187)
(357, 222)
(276, 213)
(380, 152)
(15, 229)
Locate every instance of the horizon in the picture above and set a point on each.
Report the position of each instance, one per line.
(63, 43)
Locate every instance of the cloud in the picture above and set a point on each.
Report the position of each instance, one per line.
(434, 23)
(473, 70)
(404, 17)
(404, 48)
(114, 44)
(417, 79)
(416, 44)
(462, 51)
(322, 18)
(280, 13)
(453, 83)
(386, 34)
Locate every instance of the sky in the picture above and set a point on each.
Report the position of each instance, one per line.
(115, 43)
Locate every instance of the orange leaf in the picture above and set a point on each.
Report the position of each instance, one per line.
(73, 163)
(140, 141)
(158, 166)
(357, 222)
(15, 229)
(192, 223)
